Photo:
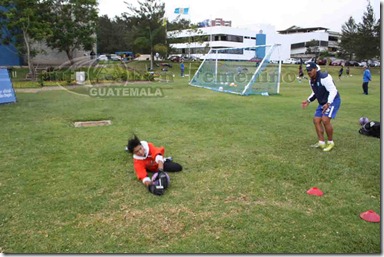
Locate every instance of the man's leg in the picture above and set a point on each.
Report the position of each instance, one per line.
(328, 127)
(319, 128)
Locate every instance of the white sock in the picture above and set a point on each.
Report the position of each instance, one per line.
(330, 142)
(321, 143)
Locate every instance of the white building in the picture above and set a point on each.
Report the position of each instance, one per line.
(293, 41)
(299, 38)
(198, 42)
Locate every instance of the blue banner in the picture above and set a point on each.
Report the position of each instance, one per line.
(181, 10)
(7, 94)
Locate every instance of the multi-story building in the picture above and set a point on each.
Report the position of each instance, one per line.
(302, 38)
(198, 42)
(221, 22)
(294, 41)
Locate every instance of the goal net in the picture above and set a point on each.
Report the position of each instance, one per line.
(243, 71)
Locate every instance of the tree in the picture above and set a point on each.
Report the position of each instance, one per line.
(73, 24)
(161, 49)
(179, 24)
(368, 36)
(362, 40)
(25, 23)
(348, 40)
(108, 41)
(105, 35)
(147, 25)
(313, 47)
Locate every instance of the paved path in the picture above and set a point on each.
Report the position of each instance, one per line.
(50, 88)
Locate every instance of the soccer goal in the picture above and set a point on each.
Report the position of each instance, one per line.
(243, 71)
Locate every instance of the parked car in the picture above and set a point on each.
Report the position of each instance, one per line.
(361, 64)
(337, 62)
(322, 61)
(175, 58)
(351, 63)
(115, 57)
(291, 61)
(374, 64)
(102, 57)
(190, 58)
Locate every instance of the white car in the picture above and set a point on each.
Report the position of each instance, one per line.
(115, 57)
(291, 61)
(102, 57)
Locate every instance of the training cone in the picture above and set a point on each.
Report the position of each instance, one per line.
(315, 191)
(370, 216)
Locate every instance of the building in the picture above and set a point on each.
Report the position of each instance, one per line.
(214, 23)
(198, 42)
(10, 56)
(294, 40)
(221, 22)
(51, 57)
(301, 38)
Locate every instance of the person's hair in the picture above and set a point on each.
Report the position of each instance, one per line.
(132, 143)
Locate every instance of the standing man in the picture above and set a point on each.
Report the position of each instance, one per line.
(182, 68)
(324, 90)
(366, 78)
(341, 71)
(301, 73)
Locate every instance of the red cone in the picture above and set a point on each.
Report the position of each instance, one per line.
(315, 191)
(370, 216)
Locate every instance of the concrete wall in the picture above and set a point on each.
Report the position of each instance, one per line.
(51, 57)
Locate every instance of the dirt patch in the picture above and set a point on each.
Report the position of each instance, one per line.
(94, 123)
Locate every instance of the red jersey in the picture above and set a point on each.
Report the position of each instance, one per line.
(148, 162)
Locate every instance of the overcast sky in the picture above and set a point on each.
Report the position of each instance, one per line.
(281, 14)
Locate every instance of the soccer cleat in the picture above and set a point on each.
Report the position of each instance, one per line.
(317, 145)
(329, 147)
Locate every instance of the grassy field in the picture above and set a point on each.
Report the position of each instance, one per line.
(247, 167)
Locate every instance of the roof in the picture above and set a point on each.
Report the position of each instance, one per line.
(296, 29)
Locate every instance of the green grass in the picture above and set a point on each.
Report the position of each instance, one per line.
(247, 166)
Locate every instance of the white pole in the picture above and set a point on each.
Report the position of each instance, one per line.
(278, 78)
(216, 68)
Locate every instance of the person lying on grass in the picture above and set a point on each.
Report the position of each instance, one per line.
(149, 158)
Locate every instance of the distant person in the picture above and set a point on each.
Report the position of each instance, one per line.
(182, 66)
(366, 78)
(92, 54)
(341, 71)
(301, 73)
(347, 71)
(324, 90)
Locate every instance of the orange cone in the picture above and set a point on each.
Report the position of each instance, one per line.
(315, 191)
(370, 216)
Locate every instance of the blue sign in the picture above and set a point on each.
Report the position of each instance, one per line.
(261, 39)
(7, 94)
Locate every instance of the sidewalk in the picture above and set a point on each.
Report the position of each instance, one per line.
(51, 88)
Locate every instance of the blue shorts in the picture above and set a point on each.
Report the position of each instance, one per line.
(331, 111)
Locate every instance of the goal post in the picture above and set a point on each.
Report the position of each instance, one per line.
(243, 71)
